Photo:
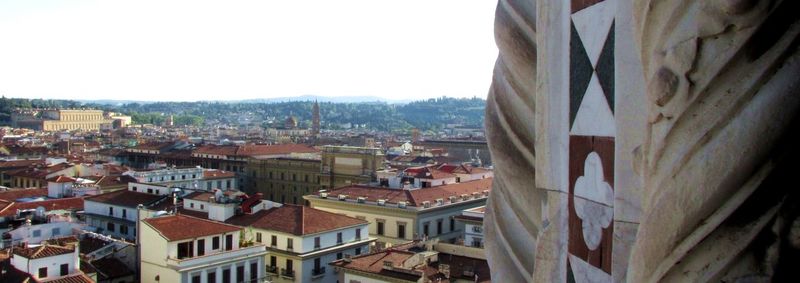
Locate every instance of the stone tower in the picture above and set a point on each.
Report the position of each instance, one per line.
(315, 119)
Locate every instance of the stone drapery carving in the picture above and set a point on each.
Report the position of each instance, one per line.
(513, 214)
(723, 89)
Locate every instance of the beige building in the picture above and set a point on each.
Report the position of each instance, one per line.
(185, 249)
(62, 119)
(401, 215)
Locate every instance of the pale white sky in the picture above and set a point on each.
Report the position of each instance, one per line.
(210, 50)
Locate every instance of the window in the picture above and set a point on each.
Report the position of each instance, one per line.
(273, 261)
(452, 224)
(149, 191)
(281, 175)
(339, 238)
(358, 251)
(380, 228)
(43, 272)
(183, 177)
(477, 242)
(123, 229)
(425, 228)
(439, 227)
(339, 255)
(64, 269)
(226, 276)
(202, 206)
(258, 237)
(36, 233)
(208, 186)
(110, 211)
(211, 277)
(110, 227)
(274, 241)
(185, 250)
(201, 247)
(358, 234)
(289, 244)
(196, 278)
(289, 264)
(228, 184)
(191, 205)
(124, 213)
(56, 231)
(228, 242)
(215, 243)
(253, 272)
(316, 243)
(240, 273)
(135, 189)
(173, 177)
(401, 231)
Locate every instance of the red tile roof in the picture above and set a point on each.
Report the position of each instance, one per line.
(296, 220)
(15, 194)
(255, 149)
(180, 227)
(20, 163)
(77, 278)
(61, 179)
(201, 196)
(125, 198)
(74, 204)
(413, 197)
(42, 251)
(217, 174)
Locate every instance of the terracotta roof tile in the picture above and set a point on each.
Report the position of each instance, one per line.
(413, 197)
(296, 220)
(180, 227)
(217, 174)
(125, 198)
(74, 204)
(15, 194)
(61, 179)
(42, 251)
(77, 278)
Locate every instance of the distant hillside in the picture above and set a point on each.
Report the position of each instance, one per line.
(431, 114)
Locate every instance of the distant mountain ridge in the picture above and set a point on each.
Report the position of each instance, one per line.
(320, 98)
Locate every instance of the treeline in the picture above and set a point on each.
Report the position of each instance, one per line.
(426, 115)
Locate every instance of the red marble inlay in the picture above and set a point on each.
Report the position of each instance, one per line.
(579, 149)
(578, 5)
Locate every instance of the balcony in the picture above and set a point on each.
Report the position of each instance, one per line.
(180, 264)
(272, 269)
(287, 273)
(318, 272)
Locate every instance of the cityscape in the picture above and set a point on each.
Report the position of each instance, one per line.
(360, 141)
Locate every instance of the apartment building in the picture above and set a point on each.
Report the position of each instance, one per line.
(472, 220)
(401, 215)
(301, 241)
(184, 249)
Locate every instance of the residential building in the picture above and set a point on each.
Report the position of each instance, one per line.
(302, 240)
(401, 215)
(115, 213)
(473, 226)
(45, 263)
(193, 177)
(181, 248)
(415, 262)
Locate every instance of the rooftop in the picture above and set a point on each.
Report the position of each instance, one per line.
(125, 198)
(296, 220)
(413, 197)
(180, 227)
(42, 251)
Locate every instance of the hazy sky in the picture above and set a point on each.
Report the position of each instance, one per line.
(200, 50)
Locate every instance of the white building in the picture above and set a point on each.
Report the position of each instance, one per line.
(185, 249)
(45, 263)
(302, 240)
(115, 213)
(473, 226)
